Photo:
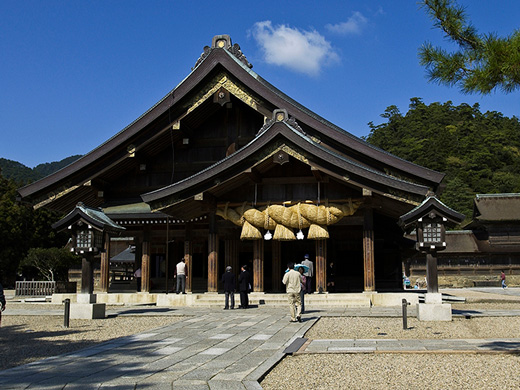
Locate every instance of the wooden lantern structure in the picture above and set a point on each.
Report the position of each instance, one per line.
(429, 220)
(90, 229)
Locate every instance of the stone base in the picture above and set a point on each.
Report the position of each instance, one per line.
(434, 312)
(86, 298)
(87, 311)
(433, 298)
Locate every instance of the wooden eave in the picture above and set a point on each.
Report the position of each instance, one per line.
(90, 216)
(276, 137)
(430, 204)
(114, 151)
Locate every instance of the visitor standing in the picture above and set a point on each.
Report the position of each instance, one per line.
(228, 280)
(180, 272)
(503, 279)
(2, 301)
(303, 287)
(137, 276)
(244, 283)
(309, 274)
(292, 281)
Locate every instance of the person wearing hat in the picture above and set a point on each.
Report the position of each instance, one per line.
(292, 281)
(228, 280)
(309, 275)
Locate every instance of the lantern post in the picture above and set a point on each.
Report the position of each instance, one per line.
(88, 227)
(429, 220)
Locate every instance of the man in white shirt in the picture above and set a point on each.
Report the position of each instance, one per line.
(292, 282)
(180, 272)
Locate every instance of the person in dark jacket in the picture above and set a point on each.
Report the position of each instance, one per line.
(244, 283)
(2, 298)
(228, 280)
(2, 302)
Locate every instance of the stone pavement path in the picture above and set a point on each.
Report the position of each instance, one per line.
(413, 346)
(214, 350)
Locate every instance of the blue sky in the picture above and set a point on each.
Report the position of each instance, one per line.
(74, 73)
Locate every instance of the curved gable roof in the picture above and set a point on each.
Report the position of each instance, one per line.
(232, 60)
(277, 135)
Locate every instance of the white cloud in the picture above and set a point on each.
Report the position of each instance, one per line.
(353, 25)
(303, 51)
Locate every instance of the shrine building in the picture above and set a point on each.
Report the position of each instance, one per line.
(228, 170)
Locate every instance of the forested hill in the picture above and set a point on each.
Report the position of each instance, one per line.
(23, 175)
(479, 152)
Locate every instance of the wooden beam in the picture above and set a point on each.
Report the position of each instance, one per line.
(145, 267)
(293, 180)
(253, 175)
(432, 279)
(368, 250)
(258, 265)
(105, 265)
(188, 260)
(321, 266)
(212, 255)
(317, 174)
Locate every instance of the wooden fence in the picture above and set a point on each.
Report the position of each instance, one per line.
(35, 288)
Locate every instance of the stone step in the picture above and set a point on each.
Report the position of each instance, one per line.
(275, 300)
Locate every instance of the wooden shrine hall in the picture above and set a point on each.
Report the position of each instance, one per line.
(228, 170)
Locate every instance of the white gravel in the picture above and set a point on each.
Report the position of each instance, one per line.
(394, 371)
(392, 328)
(404, 371)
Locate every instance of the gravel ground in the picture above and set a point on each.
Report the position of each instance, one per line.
(404, 371)
(29, 338)
(486, 306)
(392, 328)
(25, 339)
(394, 371)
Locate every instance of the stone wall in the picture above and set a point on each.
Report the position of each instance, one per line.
(469, 276)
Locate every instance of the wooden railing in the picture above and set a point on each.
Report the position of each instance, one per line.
(35, 288)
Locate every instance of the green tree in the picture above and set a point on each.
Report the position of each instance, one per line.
(52, 263)
(482, 63)
(22, 227)
(479, 152)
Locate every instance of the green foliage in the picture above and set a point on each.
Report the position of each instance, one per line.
(22, 228)
(478, 152)
(25, 175)
(51, 263)
(482, 63)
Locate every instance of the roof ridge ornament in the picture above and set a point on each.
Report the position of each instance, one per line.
(281, 115)
(223, 42)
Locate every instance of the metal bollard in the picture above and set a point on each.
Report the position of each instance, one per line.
(66, 313)
(405, 314)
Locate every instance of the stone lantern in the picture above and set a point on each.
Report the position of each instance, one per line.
(430, 220)
(89, 228)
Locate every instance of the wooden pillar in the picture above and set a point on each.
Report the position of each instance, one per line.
(212, 254)
(232, 255)
(145, 267)
(167, 255)
(368, 250)
(432, 279)
(213, 262)
(188, 257)
(276, 276)
(258, 265)
(321, 266)
(87, 276)
(105, 265)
